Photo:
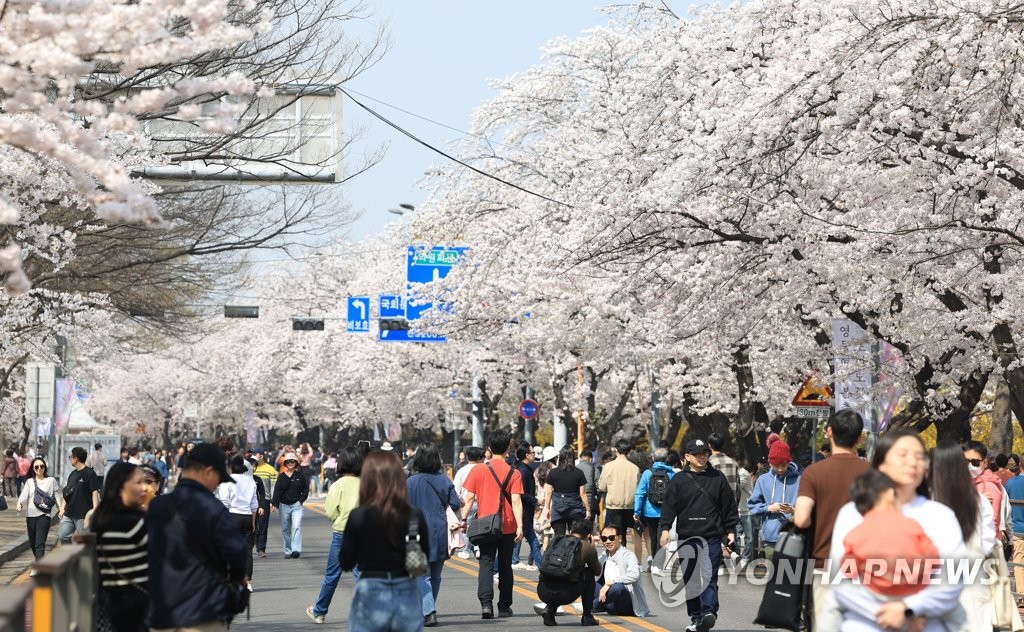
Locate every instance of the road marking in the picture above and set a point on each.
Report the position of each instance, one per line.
(466, 567)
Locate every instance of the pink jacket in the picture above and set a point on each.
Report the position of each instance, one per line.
(989, 486)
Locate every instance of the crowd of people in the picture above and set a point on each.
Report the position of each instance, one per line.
(396, 521)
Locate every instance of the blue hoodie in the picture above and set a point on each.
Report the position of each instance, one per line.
(642, 506)
(771, 488)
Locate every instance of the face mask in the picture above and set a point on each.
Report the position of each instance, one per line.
(974, 470)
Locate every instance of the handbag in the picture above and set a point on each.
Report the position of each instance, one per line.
(1005, 615)
(415, 559)
(456, 538)
(44, 502)
(3, 503)
(786, 592)
(487, 529)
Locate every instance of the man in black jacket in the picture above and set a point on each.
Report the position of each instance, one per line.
(524, 463)
(702, 504)
(194, 547)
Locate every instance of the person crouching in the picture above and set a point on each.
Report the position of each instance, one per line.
(557, 591)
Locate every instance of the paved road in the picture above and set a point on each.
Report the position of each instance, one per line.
(284, 587)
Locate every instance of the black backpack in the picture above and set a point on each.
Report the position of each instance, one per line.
(562, 559)
(657, 487)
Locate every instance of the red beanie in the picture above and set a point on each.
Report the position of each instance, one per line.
(778, 453)
(772, 438)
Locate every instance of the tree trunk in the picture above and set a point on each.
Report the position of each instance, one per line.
(956, 424)
(1000, 440)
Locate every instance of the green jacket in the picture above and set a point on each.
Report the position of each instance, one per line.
(342, 498)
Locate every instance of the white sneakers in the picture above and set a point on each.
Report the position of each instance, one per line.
(523, 566)
(464, 554)
(317, 618)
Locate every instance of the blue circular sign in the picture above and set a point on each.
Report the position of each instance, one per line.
(528, 409)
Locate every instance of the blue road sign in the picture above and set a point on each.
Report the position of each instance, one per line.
(391, 306)
(528, 409)
(426, 265)
(358, 315)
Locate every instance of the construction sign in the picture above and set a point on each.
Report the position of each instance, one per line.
(813, 393)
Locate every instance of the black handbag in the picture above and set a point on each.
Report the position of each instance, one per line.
(487, 529)
(44, 502)
(788, 590)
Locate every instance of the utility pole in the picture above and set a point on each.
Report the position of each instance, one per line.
(478, 412)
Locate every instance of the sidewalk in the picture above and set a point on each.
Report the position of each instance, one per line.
(13, 535)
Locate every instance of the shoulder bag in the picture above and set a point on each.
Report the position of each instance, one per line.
(786, 594)
(415, 559)
(487, 529)
(44, 502)
(456, 539)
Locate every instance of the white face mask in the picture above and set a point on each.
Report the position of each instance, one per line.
(974, 470)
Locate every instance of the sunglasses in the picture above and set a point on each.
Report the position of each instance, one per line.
(976, 462)
(38, 467)
(291, 462)
(608, 538)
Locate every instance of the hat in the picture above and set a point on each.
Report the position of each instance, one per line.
(697, 446)
(258, 451)
(538, 452)
(778, 454)
(549, 453)
(291, 456)
(210, 454)
(771, 439)
(386, 446)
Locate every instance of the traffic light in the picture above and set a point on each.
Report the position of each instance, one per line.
(307, 324)
(394, 324)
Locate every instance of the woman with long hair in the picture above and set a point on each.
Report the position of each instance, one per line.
(901, 456)
(120, 528)
(240, 499)
(951, 484)
(565, 493)
(432, 493)
(386, 598)
(38, 521)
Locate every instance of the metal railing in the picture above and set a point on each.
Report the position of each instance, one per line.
(63, 595)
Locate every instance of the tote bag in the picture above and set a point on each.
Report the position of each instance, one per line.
(785, 593)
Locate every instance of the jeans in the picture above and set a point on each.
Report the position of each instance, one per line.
(651, 525)
(430, 585)
(386, 605)
(291, 527)
(617, 601)
(707, 601)
(68, 528)
(332, 575)
(530, 537)
(38, 529)
(745, 527)
(502, 551)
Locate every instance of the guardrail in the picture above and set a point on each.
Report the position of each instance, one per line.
(63, 596)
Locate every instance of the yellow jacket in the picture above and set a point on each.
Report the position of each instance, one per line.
(342, 498)
(619, 479)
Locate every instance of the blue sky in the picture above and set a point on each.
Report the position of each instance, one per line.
(443, 54)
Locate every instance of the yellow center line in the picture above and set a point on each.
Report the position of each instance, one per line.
(465, 567)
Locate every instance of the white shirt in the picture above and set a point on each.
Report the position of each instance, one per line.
(239, 497)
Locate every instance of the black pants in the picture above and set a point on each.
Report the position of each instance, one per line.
(621, 519)
(560, 592)
(38, 529)
(244, 524)
(126, 608)
(502, 550)
(651, 526)
(262, 524)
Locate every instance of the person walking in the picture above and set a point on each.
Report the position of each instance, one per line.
(586, 465)
(121, 549)
(824, 490)
(565, 493)
(290, 492)
(496, 487)
(81, 494)
(386, 598)
(432, 494)
(649, 498)
(525, 457)
(774, 496)
(24, 468)
(196, 555)
(330, 470)
(342, 498)
(1015, 490)
(563, 590)
(265, 474)
(475, 457)
(618, 482)
(10, 472)
(700, 504)
(97, 461)
(42, 499)
(239, 497)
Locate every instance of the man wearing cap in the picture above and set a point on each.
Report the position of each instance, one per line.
(290, 492)
(267, 475)
(701, 503)
(193, 546)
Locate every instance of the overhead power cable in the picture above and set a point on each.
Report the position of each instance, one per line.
(405, 132)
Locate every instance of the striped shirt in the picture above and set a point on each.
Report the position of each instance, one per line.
(121, 550)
